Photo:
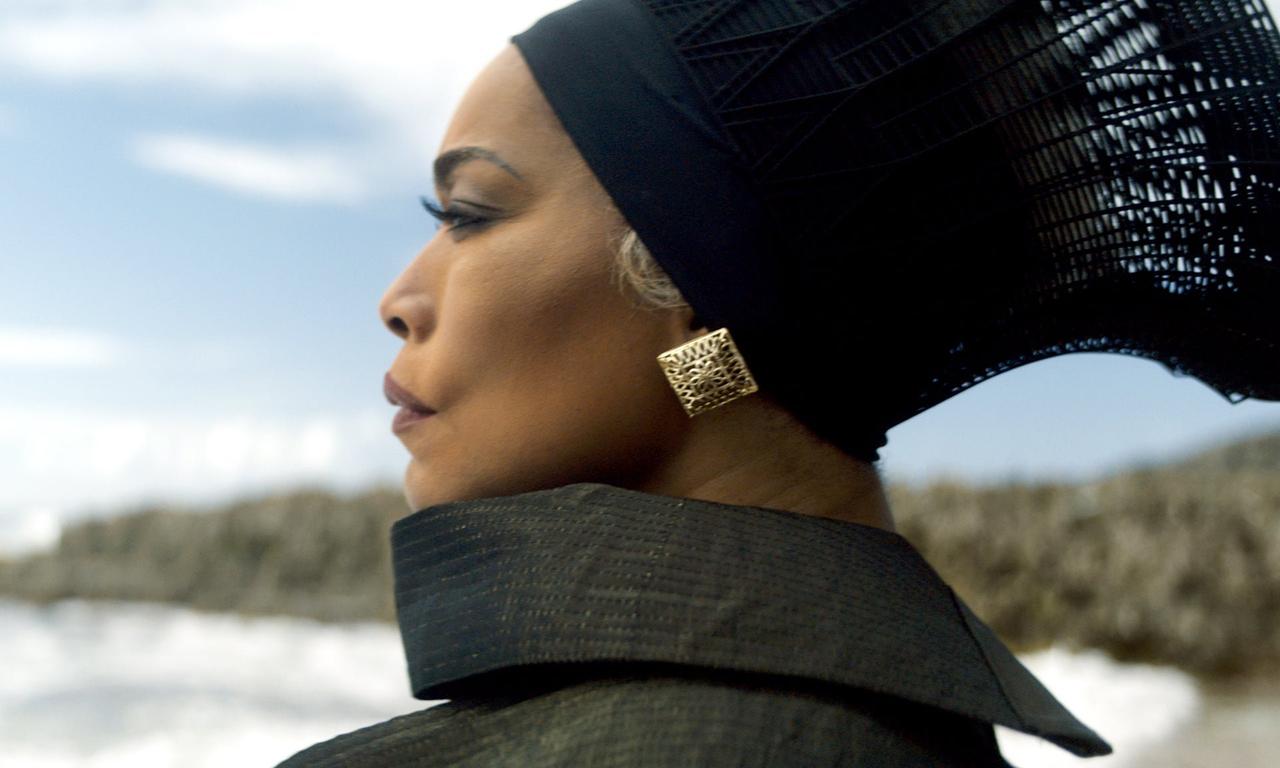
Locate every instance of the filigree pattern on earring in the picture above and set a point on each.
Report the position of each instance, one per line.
(707, 372)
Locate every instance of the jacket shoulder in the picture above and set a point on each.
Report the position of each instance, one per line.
(669, 719)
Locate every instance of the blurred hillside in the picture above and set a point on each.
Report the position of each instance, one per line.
(1178, 563)
(307, 553)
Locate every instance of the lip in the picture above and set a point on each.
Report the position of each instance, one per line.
(406, 418)
(412, 410)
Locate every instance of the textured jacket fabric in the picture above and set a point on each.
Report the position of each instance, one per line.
(599, 626)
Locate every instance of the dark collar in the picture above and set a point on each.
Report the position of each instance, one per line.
(591, 572)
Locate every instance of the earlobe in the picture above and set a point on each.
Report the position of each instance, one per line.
(682, 325)
(693, 324)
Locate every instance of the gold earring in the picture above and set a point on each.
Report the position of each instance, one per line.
(707, 372)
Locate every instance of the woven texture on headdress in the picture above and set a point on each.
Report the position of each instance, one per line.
(960, 188)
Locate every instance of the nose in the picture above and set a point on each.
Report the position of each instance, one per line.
(406, 309)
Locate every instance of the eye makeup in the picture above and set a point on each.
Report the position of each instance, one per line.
(451, 217)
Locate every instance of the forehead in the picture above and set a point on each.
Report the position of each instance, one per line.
(503, 110)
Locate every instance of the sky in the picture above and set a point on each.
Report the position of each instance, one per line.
(201, 203)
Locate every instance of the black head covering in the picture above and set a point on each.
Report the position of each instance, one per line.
(889, 201)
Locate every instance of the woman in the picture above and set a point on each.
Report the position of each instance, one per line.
(819, 218)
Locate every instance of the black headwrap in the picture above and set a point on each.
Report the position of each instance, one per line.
(889, 201)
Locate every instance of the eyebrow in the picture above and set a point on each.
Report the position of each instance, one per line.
(447, 163)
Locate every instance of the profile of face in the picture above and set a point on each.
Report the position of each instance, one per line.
(540, 369)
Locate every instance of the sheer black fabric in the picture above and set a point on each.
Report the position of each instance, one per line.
(889, 201)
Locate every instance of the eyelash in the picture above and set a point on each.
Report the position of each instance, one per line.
(452, 217)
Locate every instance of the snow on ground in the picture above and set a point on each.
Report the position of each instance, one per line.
(1133, 706)
(99, 685)
(94, 685)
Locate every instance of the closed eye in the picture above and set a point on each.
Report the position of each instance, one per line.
(452, 217)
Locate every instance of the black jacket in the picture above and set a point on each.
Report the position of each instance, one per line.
(591, 625)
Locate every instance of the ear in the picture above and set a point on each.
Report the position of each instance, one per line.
(694, 324)
(685, 325)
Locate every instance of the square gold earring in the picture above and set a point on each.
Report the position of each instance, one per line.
(707, 372)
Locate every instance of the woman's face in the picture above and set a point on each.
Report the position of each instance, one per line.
(541, 371)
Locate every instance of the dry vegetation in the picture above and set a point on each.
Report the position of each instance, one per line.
(308, 553)
(1177, 564)
(1171, 566)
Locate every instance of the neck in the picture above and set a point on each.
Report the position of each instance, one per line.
(754, 453)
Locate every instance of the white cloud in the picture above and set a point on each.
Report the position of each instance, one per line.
(69, 458)
(56, 348)
(29, 529)
(310, 174)
(399, 64)
(63, 463)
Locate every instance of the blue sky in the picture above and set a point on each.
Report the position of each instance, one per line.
(201, 203)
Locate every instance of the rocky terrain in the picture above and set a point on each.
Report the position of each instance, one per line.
(1178, 563)
(307, 553)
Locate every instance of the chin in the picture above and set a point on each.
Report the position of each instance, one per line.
(418, 488)
(425, 487)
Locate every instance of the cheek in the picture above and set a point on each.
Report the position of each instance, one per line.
(571, 416)
(533, 298)
(556, 372)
